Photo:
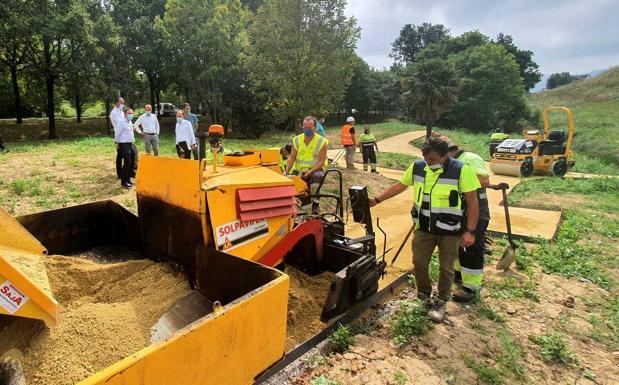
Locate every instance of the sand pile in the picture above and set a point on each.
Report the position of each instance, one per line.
(307, 297)
(110, 309)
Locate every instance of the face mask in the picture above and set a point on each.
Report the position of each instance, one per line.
(308, 132)
(121, 106)
(148, 113)
(179, 120)
(130, 116)
(435, 166)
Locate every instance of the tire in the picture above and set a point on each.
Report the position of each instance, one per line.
(558, 167)
(526, 168)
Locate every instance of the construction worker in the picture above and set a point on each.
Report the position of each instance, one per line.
(349, 142)
(215, 144)
(496, 138)
(367, 144)
(123, 137)
(150, 129)
(470, 264)
(284, 153)
(438, 218)
(308, 157)
(185, 138)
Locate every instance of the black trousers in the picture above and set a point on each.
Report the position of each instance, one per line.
(183, 150)
(125, 151)
(369, 155)
(134, 161)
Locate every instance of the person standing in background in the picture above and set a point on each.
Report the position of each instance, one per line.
(116, 115)
(348, 140)
(150, 129)
(320, 126)
(185, 137)
(123, 137)
(367, 144)
(193, 119)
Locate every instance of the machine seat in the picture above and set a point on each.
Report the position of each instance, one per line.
(554, 145)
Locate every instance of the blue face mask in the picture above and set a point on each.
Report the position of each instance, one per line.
(308, 132)
(179, 120)
(129, 116)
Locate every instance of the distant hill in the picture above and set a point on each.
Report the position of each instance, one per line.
(595, 103)
(603, 87)
(541, 85)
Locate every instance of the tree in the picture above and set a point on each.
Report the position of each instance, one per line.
(144, 45)
(56, 24)
(431, 89)
(413, 39)
(492, 94)
(301, 55)
(213, 36)
(387, 96)
(14, 37)
(362, 88)
(559, 79)
(528, 68)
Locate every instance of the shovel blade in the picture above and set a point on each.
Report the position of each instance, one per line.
(507, 259)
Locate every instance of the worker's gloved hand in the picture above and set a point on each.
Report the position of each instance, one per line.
(502, 186)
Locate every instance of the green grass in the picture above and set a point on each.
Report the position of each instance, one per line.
(511, 288)
(341, 339)
(511, 359)
(390, 160)
(322, 380)
(584, 242)
(400, 378)
(409, 321)
(486, 374)
(484, 310)
(554, 348)
(604, 319)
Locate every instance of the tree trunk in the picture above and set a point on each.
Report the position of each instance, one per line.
(107, 115)
(78, 101)
(18, 112)
(49, 83)
(428, 130)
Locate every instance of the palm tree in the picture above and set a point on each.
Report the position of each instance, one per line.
(431, 89)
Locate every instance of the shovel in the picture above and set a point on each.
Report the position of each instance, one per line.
(510, 252)
(402, 245)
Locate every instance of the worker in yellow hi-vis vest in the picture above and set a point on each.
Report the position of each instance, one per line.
(367, 144)
(309, 158)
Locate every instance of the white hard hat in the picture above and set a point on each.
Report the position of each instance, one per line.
(350, 119)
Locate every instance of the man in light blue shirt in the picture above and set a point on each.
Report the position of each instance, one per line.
(193, 119)
(320, 129)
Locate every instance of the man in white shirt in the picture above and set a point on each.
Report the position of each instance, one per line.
(185, 138)
(149, 130)
(117, 115)
(123, 137)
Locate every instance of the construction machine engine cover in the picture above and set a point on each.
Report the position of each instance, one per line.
(516, 146)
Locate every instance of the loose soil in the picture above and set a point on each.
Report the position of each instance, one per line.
(305, 301)
(109, 310)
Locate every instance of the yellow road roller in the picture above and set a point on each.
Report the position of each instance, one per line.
(544, 153)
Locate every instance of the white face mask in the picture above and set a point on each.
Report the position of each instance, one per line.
(435, 166)
(121, 106)
(179, 120)
(147, 113)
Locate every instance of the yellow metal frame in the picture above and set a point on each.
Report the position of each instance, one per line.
(16, 241)
(229, 347)
(571, 128)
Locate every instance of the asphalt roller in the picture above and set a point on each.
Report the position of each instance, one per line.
(543, 153)
(230, 230)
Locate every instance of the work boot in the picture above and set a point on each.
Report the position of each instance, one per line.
(457, 277)
(437, 313)
(463, 295)
(426, 299)
(374, 172)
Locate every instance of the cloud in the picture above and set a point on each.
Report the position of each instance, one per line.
(569, 35)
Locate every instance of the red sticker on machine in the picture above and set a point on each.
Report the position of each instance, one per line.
(11, 298)
(235, 233)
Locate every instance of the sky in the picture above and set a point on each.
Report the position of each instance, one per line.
(577, 36)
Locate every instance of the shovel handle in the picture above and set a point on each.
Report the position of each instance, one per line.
(508, 223)
(403, 243)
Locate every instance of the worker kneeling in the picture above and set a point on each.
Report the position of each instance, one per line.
(308, 158)
(439, 218)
